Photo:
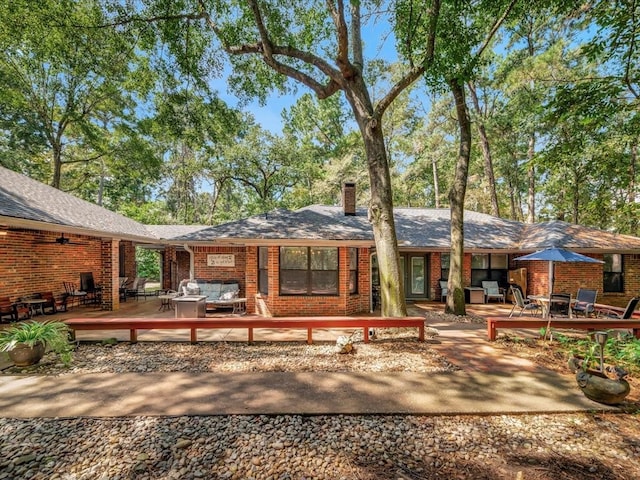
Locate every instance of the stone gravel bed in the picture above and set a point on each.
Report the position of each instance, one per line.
(576, 446)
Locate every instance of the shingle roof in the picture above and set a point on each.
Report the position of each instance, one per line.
(568, 235)
(24, 198)
(430, 227)
(282, 224)
(173, 231)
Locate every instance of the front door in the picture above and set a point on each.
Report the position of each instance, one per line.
(413, 268)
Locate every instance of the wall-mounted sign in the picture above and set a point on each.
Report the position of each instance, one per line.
(221, 260)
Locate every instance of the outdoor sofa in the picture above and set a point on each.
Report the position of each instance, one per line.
(219, 293)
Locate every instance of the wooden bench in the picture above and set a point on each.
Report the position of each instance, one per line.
(493, 323)
(250, 323)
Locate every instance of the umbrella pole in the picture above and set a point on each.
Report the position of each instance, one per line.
(551, 280)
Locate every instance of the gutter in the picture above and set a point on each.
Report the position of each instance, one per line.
(192, 273)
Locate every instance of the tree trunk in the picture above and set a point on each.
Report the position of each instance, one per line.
(383, 224)
(57, 165)
(436, 181)
(531, 215)
(631, 193)
(381, 202)
(455, 298)
(486, 152)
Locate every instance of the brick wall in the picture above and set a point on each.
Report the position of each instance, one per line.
(130, 267)
(29, 266)
(342, 304)
(246, 272)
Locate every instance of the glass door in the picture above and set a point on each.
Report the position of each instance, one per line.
(417, 271)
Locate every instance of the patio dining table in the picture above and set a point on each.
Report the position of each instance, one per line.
(546, 302)
(35, 305)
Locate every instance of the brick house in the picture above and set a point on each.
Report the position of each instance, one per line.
(318, 260)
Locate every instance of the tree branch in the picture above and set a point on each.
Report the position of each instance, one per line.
(431, 41)
(495, 28)
(267, 51)
(404, 82)
(356, 36)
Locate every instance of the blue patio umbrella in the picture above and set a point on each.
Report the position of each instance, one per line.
(556, 254)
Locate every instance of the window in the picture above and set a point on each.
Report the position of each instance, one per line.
(486, 266)
(353, 270)
(445, 258)
(308, 271)
(613, 273)
(263, 270)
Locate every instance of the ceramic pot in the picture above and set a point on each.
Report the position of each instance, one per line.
(23, 355)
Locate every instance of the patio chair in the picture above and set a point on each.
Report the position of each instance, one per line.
(631, 307)
(94, 292)
(524, 305)
(50, 303)
(585, 302)
(73, 294)
(12, 311)
(443, 290)
(137, 288)
(492, 290)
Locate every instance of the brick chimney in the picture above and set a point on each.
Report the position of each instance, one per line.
(349, 198)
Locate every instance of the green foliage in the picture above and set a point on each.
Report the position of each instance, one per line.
(69, 92)
(54, 335)
(148, 264)
(622, 350)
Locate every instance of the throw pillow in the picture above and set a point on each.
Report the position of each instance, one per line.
(229, 295)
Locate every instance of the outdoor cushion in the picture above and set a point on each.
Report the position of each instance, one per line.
(210, 290)
(230, 295)
(216, 290)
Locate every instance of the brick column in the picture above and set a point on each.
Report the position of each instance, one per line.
(110, 265)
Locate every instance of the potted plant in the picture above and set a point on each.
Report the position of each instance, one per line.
(26, 342)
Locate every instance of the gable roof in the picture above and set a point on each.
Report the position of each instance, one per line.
(282, 224)
(430, 227)
(28, 203)
(417, 228)
(575, 237)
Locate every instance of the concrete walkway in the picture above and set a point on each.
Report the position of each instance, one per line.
(309, 393)
(491, 382)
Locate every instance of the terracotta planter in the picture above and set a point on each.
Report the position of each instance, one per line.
(23, 355)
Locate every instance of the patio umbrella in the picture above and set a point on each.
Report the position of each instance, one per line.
(556, 254)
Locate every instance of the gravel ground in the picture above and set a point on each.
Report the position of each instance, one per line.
(321, 447)
(566, 446)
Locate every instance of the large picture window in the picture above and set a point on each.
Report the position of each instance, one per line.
(613, 273)
(263, 270)
(308, 271)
